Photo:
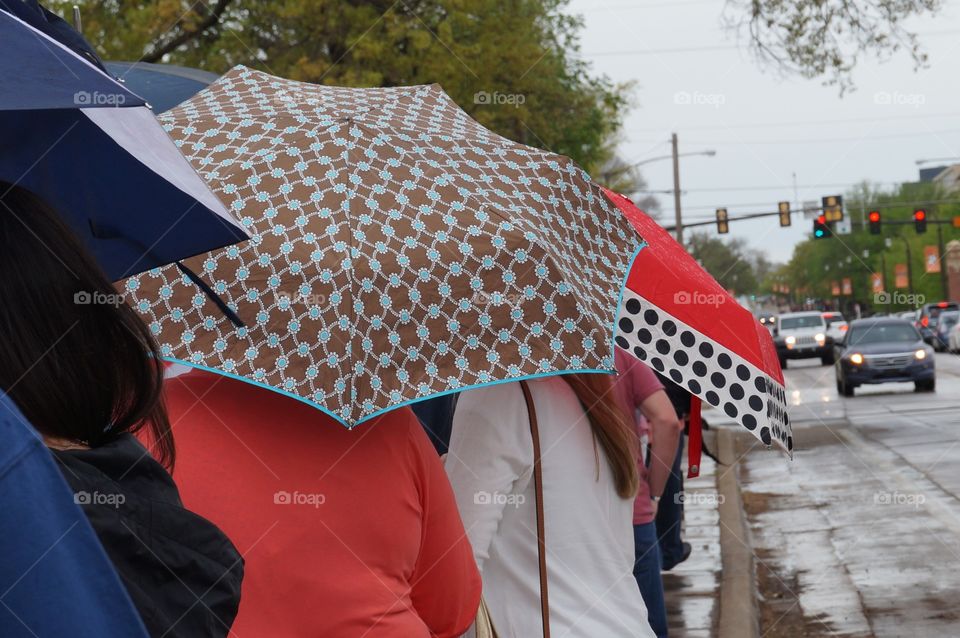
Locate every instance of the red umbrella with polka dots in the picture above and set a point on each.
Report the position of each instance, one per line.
(675, 317)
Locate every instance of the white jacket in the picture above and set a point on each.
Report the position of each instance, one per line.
(588, 527)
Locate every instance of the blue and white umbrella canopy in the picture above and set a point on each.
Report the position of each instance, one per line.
(162, 85)
(95, 152)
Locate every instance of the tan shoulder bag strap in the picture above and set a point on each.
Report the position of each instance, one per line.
(538, 487)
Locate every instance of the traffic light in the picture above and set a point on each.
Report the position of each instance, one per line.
(784, 208)
(874, 218)
(821, 229)
(920, 220)
(832, 207)
(722, 226)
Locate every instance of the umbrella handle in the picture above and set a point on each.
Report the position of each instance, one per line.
(211, 295)
(101, 232)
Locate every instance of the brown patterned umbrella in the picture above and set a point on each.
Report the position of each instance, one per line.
(398, 249)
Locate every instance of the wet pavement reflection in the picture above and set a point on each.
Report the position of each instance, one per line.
(860, 534)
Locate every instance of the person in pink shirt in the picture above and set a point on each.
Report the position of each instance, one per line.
(641, 396)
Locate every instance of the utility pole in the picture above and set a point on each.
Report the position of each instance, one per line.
(906, 244)
(676, 189)
(942, 259)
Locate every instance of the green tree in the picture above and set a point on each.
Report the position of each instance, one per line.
(514, 66)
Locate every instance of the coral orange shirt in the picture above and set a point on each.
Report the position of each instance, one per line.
(344, 532)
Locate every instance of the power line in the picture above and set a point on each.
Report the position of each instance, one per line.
(827, 140)
(787, 187)
(720, 47)
(753, 125)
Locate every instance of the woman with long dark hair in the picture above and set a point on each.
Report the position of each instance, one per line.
(588, 460)
(84, 370)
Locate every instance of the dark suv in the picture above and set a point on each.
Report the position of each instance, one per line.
(929, 316)
(883, 351)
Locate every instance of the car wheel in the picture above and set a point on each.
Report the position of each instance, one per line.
(930, 385)
(783, 363)
(826, 359)
(847, 390)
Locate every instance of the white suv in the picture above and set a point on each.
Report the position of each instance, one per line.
(803, 335)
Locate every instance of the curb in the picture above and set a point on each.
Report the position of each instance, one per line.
(739, 609)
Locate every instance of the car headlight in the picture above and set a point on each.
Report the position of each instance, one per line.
(820, 338)
(856, 359)
(920, 354)
(790, 340)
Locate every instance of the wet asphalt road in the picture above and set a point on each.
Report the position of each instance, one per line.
(859, 535)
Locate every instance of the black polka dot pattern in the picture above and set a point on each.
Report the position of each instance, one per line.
(722, 378)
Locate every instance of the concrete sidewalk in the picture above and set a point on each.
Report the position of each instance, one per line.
(693, 587)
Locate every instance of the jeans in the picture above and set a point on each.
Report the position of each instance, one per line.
(646, 569)
(670, 513)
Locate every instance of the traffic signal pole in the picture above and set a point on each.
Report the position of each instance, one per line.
(944, 286)
(906, 245)
(676, 189)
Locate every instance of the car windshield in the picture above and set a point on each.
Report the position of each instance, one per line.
(948, 320)
(788, 323)
(882, 333)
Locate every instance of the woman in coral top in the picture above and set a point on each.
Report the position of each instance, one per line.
(344, 532)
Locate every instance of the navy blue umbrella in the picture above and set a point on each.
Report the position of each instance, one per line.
(162, 85)
(94, 150)
(55, 578)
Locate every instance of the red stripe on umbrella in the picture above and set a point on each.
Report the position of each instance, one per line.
(676, 318)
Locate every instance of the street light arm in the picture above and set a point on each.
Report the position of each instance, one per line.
(623, 169)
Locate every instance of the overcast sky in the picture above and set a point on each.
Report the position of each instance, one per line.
(764, 127)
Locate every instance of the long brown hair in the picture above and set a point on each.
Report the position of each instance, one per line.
(610, 427)
(76, 359)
